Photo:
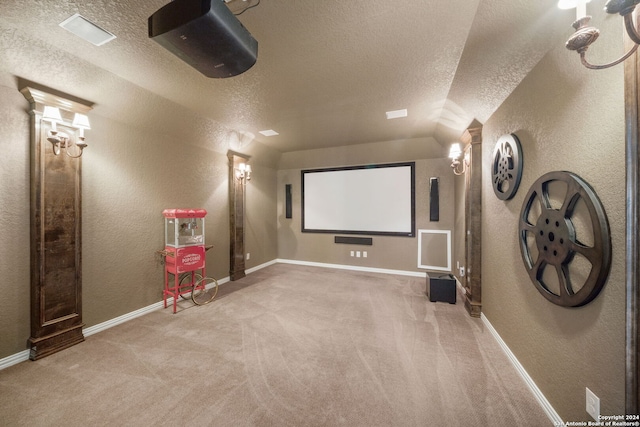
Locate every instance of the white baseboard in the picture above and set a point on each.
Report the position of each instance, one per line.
(24, 355)
(14, 359)
(132, 315)
(124, 318)
(259, 267)
(544, 403)
(352, 267)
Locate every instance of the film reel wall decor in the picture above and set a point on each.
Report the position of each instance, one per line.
(506, 170)
(564, 239)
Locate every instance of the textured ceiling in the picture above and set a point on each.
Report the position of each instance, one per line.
(327, 70)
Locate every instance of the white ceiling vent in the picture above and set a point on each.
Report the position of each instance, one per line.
(396, 114)
(82, 27)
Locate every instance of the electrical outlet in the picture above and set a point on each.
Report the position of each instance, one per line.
(357, 254)
(461, 271)
(248, 256)
(351, 253)
(593, 405)
(364, 254)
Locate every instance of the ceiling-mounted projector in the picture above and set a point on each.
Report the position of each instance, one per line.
(206, 35)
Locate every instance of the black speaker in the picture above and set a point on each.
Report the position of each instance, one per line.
(354, 240)
(441, 288)
(434, 200)
(287, 201)
(206, 35)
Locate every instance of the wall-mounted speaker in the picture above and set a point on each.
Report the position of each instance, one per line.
(350, 240)
(434, 200)
(287, 201)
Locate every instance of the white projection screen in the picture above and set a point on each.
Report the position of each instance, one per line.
(372, 199)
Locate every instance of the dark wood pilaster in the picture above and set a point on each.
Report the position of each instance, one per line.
(56, 235)
(236, 216)
(472, 139)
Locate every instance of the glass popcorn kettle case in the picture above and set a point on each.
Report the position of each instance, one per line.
(183, 227)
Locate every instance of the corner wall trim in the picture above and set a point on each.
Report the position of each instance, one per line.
(544, 403)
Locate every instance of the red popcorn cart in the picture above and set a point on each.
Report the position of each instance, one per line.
(184, 257)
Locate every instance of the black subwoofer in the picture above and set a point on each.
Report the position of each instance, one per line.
(441, 288)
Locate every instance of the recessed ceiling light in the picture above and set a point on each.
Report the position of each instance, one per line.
(269, 132)
(396, 114)
(83, 28)
(569, 4)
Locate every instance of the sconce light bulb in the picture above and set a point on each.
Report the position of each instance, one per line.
(455, 151)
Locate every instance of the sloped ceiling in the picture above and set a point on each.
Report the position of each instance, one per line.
(327, 70)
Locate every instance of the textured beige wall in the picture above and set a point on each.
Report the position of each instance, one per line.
(14, 225)
(567, 118)
(129, 176)
(260, 230)
(388, 252)
(145, 154)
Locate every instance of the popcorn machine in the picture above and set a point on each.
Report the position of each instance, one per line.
(184, 255)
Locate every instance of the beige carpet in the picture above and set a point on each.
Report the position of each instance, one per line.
(285, 346)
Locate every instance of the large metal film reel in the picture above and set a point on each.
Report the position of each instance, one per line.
(506, 169)
(558, 243)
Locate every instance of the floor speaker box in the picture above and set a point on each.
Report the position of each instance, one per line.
(441, 288)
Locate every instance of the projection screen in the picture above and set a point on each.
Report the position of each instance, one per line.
(371, 199)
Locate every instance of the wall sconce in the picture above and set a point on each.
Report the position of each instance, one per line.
(243, 172)
(586, 35)
(454, 153)
(61, 140)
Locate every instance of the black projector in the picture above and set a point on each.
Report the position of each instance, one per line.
(206, 35)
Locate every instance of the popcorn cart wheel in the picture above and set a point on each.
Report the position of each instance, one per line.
(201, 290)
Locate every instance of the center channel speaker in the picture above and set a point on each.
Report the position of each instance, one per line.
(206, 35)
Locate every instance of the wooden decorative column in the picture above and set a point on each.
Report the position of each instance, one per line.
(632, 137)
(236, 216)
(472, 139)
(56, 235)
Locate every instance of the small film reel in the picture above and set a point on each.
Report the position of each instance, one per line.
(506, 170)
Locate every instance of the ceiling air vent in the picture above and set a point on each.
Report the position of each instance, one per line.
(83, 28)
